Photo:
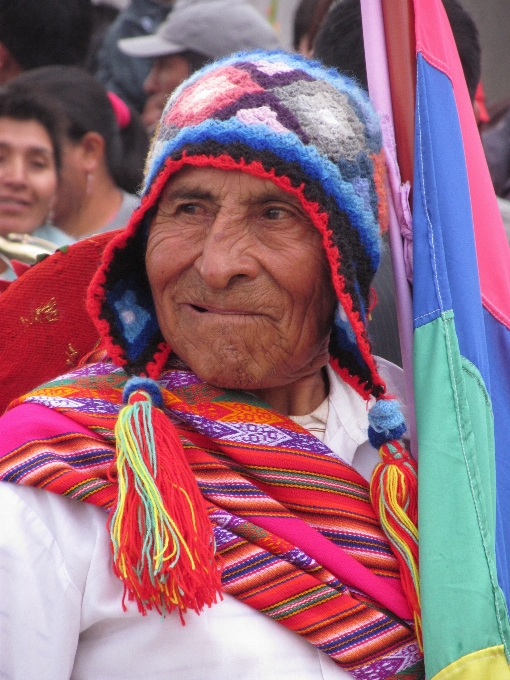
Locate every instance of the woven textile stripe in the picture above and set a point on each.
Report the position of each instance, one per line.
(252, 466)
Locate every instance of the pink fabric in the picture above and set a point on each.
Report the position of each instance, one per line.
(338, 562)
(18, 426)
(121, 110)
(435, 41)
(400, 224)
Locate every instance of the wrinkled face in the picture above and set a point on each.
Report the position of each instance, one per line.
(239, 280)
(28, 176)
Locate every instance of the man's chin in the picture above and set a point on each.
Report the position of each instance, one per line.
(233, 373)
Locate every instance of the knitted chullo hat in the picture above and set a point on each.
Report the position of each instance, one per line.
(277, 116)
(313, 133)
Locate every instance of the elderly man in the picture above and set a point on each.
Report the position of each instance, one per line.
(231, 419)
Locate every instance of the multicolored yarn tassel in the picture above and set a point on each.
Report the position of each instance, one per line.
(162, 539)
(394, 496)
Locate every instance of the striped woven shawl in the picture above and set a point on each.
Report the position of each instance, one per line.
(293, 524)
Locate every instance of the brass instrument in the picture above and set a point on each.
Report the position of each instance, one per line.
(24, 248)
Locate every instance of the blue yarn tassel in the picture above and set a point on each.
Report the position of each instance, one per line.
(385, 422)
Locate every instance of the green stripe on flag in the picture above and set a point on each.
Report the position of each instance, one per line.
(463, 607)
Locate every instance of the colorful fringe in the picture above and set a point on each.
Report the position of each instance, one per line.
(163, 546)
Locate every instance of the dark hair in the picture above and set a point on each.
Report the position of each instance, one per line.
(339, 42)
(85, 105)
(43, 32)
(22, 104)
(466, 38)
(195, 60)
(103, 16)
(303, 20)
(135, 145)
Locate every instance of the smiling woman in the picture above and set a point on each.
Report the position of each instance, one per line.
(28, 176)
(29, 162)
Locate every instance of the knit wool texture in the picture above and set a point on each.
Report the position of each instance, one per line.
(278, 116)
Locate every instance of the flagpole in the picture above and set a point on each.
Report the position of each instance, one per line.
(400, 229)
(398, 16)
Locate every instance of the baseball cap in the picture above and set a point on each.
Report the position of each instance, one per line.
(214, 28)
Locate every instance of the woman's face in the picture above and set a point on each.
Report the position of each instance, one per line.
(239, 279)
(28, 175)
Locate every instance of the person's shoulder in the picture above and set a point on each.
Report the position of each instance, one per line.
(49, 232)
(64, 528)
(57, 513)
(130, 203)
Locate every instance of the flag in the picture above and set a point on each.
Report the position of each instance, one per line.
(461, 301)
(461, 343)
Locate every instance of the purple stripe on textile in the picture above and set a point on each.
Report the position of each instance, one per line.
(255, 434)
(100, 368)
(175, 379)
(78, 404)
(394, 663)
(337, 561)
(18, 426)
(258, 99)
(379, 89)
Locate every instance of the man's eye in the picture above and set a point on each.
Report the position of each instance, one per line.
(275, 213)
(190, 209)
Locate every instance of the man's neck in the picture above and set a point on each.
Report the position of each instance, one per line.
(300, 397)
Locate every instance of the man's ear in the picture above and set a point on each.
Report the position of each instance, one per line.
(93, 149)
(9, 67)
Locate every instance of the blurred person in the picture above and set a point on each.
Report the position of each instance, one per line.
(135, 145)
(119, 72)
(89, 198)
(339, 41)
(193, 34)
(29, 165)
(37, 33)
(302, 39)
(103, 16)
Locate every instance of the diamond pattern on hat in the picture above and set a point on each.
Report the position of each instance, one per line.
(327, 117)
(217, 90)
(261, 116)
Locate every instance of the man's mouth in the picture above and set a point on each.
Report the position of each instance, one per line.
(221, 310)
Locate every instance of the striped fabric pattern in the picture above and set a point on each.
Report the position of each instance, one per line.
(265, 481)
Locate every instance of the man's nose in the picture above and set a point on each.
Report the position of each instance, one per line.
(227, 253)
(14, 171)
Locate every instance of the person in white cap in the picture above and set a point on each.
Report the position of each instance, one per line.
(191, 35)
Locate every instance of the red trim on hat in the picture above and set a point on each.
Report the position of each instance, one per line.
(319, 219)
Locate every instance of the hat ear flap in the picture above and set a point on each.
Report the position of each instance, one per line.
(120, 301)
